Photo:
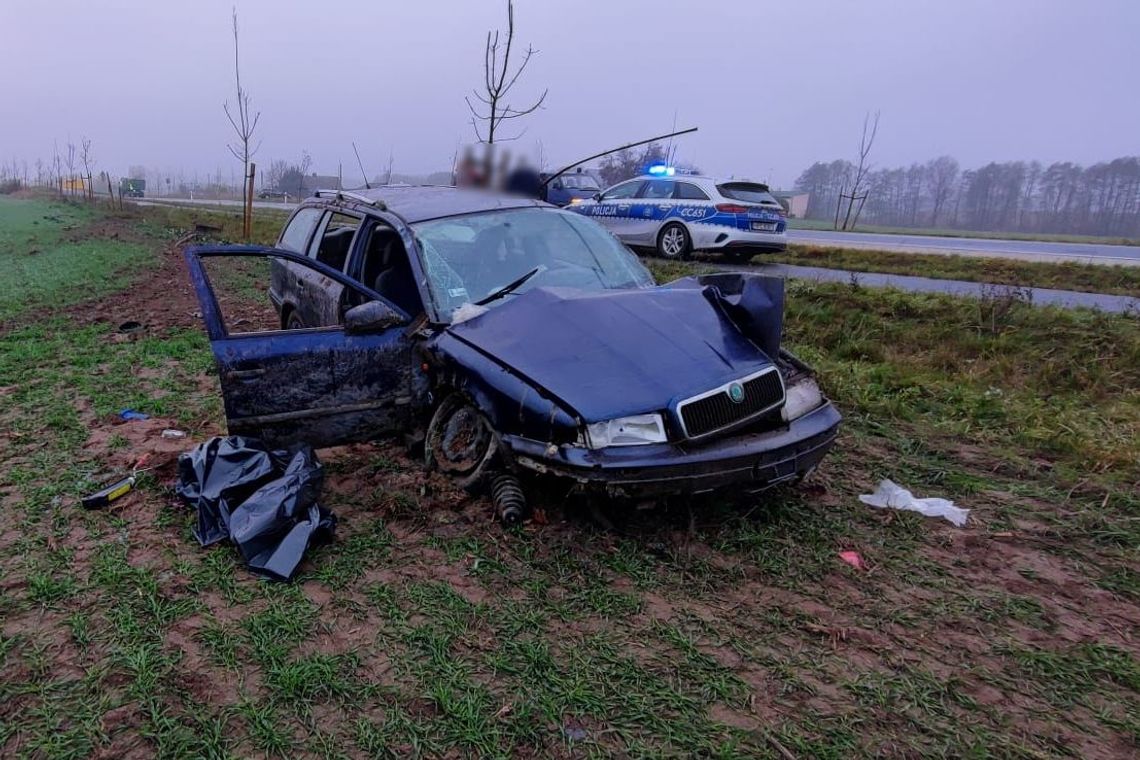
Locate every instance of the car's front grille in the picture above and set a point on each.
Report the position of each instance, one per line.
(712, 411)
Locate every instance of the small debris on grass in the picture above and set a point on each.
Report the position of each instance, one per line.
(131, 414)
(889, 495)
(854, 559)
(172, 433)
(131, 326)
(574, 733)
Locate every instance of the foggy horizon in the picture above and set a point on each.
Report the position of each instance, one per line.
(784, 87)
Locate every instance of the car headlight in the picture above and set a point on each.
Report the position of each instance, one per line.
(801, 398)
(637, 430)
(576, 201)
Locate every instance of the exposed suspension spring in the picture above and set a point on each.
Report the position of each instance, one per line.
(507, 496)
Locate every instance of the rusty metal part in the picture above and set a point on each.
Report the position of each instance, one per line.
(508, 498)
(459, 440)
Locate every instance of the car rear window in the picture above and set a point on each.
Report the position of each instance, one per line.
(296, 236)
(749, 192)
(687, 191)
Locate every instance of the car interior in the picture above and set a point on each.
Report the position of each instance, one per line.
(334, 247)
(386, 269)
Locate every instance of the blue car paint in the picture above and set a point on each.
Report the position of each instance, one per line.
(322, 386)
(510, 403)
(672, 344)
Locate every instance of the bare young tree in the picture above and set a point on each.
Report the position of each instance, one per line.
(859, 184)
(69, 162)
(244, 124)
(497, 84)
(87, 156)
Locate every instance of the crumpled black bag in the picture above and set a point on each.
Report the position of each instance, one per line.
(263, 500)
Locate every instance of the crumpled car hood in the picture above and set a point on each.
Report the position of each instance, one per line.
(616, 353)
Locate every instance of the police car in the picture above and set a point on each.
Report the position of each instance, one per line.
(677, 214)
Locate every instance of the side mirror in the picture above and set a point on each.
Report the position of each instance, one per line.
(557, 185)
(370, 317)
(596, 196)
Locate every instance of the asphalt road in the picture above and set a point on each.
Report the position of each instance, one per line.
(1032, 250)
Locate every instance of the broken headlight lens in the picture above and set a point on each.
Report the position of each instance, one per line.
(800, 399)
(626, 431)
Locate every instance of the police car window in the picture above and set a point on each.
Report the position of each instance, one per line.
(624, 190)
(686, 191)
(749, 192)
(295, 238)
(657, 189)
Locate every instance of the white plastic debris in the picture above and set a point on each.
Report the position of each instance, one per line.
(467, 311)
(893, 496)
(172, 433)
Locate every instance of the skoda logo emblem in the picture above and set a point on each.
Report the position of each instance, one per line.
(736, 392)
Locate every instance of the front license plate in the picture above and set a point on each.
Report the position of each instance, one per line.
(764, 226)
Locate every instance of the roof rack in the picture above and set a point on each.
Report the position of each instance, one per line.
(341, 195)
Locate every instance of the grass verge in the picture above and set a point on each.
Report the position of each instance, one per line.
(816, 224)
(1090, 278)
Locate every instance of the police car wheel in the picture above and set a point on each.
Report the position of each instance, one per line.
(673, 242)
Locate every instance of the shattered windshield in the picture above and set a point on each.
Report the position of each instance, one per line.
(468, 259)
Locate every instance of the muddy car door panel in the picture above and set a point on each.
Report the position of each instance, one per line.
(323, 386)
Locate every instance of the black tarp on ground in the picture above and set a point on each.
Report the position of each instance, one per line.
(263, 500)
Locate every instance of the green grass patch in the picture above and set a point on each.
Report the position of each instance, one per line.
(1064, 275)
(820, 224)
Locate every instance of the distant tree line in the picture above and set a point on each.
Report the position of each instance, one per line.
(1012, 196)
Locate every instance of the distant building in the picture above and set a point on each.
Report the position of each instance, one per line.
(314, 182)
(795, 203)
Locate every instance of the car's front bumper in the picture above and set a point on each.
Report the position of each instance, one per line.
(748, 461)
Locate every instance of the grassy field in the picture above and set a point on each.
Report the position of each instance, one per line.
(726, 628)
(818, 224)
(1090, 278)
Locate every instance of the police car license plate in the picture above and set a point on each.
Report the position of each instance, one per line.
(764, 226)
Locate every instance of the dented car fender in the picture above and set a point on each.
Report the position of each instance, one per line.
(511, 404)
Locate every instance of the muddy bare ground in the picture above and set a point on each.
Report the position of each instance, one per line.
(737, 618)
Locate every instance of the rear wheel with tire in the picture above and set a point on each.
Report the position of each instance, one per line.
(673, 242)
(294, 322)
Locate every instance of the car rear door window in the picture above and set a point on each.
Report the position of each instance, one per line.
(657, 189)
(296, 235)
(333, 244)
(687, 191)
(622, 191)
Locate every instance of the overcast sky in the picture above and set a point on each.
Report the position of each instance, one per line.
(773, 86)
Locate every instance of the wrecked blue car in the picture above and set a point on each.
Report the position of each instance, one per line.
(510, 338)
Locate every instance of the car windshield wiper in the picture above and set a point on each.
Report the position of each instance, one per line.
(509, 288)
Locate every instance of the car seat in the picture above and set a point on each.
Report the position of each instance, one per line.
(396, 281)
(334, 248)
